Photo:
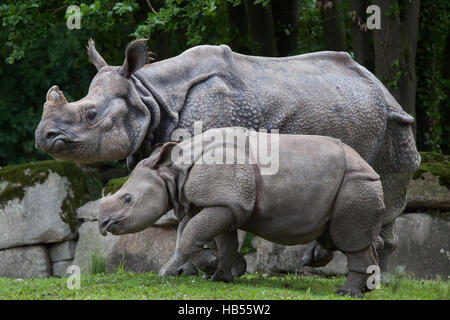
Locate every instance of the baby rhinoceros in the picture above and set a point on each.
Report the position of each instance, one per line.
(308, 188)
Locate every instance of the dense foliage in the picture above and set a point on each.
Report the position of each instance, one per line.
(37, 50)
(433, 83)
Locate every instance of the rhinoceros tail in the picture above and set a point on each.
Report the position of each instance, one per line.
(402, 118)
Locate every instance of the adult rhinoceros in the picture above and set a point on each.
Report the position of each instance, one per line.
(131, 107)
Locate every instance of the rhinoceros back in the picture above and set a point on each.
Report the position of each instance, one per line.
(302, 192)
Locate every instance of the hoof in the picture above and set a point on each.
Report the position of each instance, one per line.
(188, 269)
(350, 292)
(316, 256)
(170, 272)
(239, 266)
(220, 276)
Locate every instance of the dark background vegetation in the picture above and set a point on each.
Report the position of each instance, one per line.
(410, 54)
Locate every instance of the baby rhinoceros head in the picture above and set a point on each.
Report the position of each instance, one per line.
(138, 204)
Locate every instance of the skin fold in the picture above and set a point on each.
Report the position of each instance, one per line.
(322, 190)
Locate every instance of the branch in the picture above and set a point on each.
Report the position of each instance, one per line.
(151, 7)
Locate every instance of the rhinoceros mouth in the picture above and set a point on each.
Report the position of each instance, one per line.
(114, 226)
(59, 143)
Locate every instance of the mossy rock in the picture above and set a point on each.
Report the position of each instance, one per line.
(14, 179)
(113, 185)
(437, 164)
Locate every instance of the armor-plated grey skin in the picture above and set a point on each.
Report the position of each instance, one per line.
(131, 107)
(322, 190)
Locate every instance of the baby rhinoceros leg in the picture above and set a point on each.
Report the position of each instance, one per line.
(355, 227)
(210, 223)
(178, 263)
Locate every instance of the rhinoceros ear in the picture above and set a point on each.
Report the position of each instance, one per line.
(136, 56)
(94, 57)
(161, 155)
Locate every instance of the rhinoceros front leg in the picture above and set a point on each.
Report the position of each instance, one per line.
(210, 223)
(178, 263)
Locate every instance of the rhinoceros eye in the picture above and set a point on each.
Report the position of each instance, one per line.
(91, 114)
(126, 199)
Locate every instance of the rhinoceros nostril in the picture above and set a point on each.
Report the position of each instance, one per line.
(51, 134)
(104, 224)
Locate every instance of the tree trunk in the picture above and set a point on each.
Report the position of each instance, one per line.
(445, 147)
(361, 36)
(237, 24)
(285, 14)
(395, 50)
(333, 24)
(261, 29)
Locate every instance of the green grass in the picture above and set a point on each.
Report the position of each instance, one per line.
(128, 285)
(98, 264)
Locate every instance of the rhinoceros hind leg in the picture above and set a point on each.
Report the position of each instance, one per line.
(316, 256)
(239, 266)
(396, 163)
(358, 262)
(227, 251)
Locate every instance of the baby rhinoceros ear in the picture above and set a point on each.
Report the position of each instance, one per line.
(136, 56)
(161, 156)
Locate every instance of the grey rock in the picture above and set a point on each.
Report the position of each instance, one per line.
(241, 237)
(60, 268)
(89, 211)
(251, 262)
(255, 242)
(62, 251)
(36, 218)
(426, 193)
(424, 246)
(91, 242)
(25, 262)
(144, 251)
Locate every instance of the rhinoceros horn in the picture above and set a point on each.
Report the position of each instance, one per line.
(55, 97)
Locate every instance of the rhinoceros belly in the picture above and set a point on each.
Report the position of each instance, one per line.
(295, 204)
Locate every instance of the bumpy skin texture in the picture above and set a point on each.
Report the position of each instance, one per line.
(322, 188)
(324, 93)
